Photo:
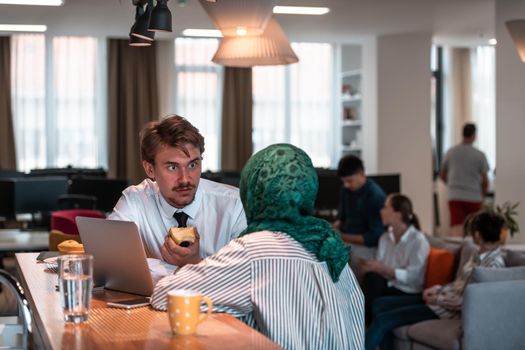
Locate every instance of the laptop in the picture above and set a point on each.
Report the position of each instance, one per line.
(119, 258)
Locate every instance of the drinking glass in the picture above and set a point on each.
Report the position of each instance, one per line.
(75, 281)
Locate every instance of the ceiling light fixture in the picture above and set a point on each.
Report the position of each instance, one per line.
(208, 33)
(492, 41)
(33, 2)
(270, 48)
(229, 15)
(22, 28)
(516, 29)
(160, 20)
(136, 41)
(300, 10)
(140, 28)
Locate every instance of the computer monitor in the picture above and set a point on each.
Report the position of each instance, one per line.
(107, 191)
(34, 196)
(330, 187)
(232, 178)
(4, 173)
(390, 183)
(69, 172)
(329, 190)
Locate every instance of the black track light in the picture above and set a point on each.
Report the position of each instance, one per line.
(140, 28)
(160, 20)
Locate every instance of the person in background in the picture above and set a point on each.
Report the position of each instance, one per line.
(175, 195)
(400, 266)
(464, 170)
(443, 302)
(358, 218)
(287, 274)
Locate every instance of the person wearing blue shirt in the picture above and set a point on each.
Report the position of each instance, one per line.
(361, 201)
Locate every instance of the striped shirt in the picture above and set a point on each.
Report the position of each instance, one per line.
(269, 281)
(450, 297)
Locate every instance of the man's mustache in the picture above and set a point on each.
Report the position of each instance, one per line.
(183, 188)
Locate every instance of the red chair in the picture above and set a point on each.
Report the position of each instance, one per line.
(64, 226)
(64, 220)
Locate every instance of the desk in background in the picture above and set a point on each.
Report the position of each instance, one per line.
(108, 328)
(14, 240)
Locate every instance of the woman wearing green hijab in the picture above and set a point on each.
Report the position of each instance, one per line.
(287, 274)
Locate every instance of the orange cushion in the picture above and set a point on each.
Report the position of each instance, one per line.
(440, 265)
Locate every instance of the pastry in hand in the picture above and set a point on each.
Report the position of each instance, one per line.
(183, 236)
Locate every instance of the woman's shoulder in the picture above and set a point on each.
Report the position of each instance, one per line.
(272, 244)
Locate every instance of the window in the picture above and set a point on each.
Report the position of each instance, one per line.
(57, 106)
(484, 100)
(293, 103)
(28, 83)
(199, 92)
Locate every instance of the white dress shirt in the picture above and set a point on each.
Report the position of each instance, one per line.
(408, 258)
(216, 212)
(268, 280)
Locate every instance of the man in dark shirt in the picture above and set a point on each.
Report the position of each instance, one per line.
(359, 219)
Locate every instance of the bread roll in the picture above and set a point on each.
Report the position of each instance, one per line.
(70, 247)
(183, 236)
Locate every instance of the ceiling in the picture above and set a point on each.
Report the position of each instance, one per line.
(454, 22)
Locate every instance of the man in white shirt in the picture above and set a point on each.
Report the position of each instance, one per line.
(175, 195)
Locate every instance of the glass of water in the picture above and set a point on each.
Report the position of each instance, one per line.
(75, 281)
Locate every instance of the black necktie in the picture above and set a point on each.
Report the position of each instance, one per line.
(182, 218)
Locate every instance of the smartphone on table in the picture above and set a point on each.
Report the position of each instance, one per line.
(130, 303)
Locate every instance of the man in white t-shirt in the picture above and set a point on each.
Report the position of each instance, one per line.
(175, 195)
(464, 170)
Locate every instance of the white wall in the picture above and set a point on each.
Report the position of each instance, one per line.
(369, 105)
(510, 114)
(403, 116)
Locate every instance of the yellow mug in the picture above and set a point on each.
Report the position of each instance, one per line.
(184, 310)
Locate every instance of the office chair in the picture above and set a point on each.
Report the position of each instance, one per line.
(77, 201)
(64, 226)
(18, 334)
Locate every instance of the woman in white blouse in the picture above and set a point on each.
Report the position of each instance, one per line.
(400, 266)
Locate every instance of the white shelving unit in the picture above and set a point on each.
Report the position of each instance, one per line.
(351, 113)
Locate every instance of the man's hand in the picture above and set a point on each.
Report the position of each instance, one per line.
(430, 295)
(176, 255)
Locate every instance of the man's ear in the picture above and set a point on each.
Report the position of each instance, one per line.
(149, 169)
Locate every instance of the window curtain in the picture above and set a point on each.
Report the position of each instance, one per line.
(236, 140)
(132, 102)
(460, 89)
(483, 100)
(7, 138)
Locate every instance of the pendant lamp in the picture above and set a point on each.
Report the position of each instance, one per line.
(270, 48)
(239, 17)
(516, 29)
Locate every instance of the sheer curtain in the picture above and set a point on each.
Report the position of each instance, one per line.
(55, 102)
(311, 119)
(28, 88)
(483, 100)
(293, 103)
(269, 106)
(74, 65)
(198, 86)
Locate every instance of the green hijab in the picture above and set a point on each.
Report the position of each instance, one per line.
(278, 190)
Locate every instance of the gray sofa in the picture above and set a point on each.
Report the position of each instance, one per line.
(493, 312)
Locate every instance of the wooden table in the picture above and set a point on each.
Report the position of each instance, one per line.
(110, 328)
